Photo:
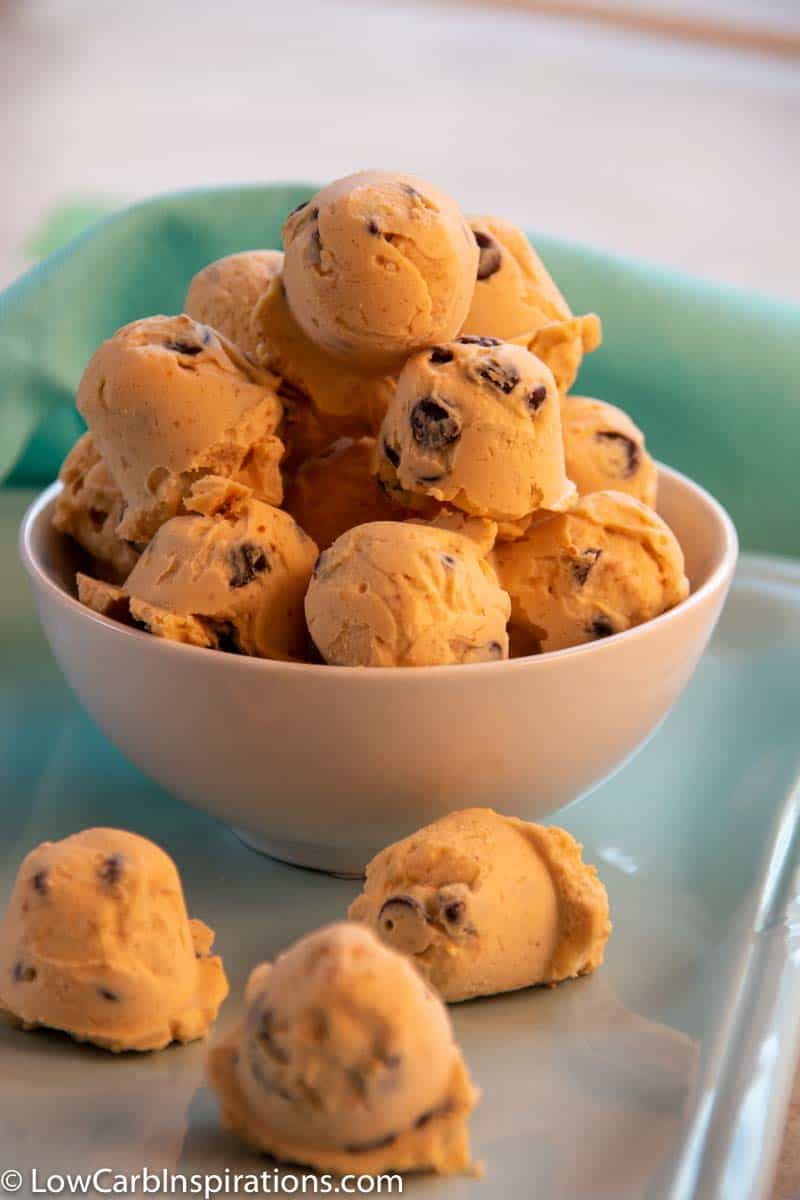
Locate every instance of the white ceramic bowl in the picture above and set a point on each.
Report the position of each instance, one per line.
(323, 766)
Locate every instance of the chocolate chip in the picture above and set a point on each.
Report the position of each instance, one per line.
(266, 1036)
(490, 257)
(505, 379)
(632, 451)
(315, 213)
(536, 398)
(107, 994)
(433, 426)
(600, 627)
(40, 883)
(314, 249)
(412, 191)
(188, 348)
(495, 650)
(378, 1144)
(403, 923)
(455, 912)
(449, 560)
(472, 339)
(391, 454)
(441, 355)
(246, 561)
(111, 869)
(408, 905)
(441, 1111)
(298, 208)
(292, 393)
(373, 227)
(581, 567)
(206, 335)
(225, 636)
(23, 974)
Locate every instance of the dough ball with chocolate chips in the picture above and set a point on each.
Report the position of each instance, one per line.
(336, 490)
(168, 400)
(476, 424)
(605, 566)
(484, 903)
(514, 292)
(96, 942)
(604, 449)
(225, 294)
(89, 508)
(243, 297)
(402, 594)
(377, 266)
(345, 1061)
(230, 575)
(335, 389)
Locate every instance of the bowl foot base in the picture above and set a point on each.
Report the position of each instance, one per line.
(346, 864)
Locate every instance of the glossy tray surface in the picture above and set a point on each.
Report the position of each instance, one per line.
(664, 1075)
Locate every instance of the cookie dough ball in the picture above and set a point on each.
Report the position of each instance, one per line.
(476, 424)
(514, 293)
(605, 566)
(89, 508)
(377, 266)
(346, 1062)
(224, 294)
(96, 942)
(406, 595)
(336, 491)
(484, 903)
(334, 389)
(563, 344)
(604, 449)
(244, 298)
(230, 575)
(167, 400)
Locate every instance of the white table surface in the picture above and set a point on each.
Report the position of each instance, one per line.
(681, 154)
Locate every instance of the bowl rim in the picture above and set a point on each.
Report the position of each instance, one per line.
(721, 573)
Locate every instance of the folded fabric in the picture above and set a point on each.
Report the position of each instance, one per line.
(710, 374)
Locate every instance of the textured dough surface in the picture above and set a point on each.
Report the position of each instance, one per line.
(605, 566)
(397, 594)
(484, 903)
(225, 294)
(337, 490)
(346, 1061)
(96, 942)
(89, 508)
(604, 449)
(333, 387)
(514, 292)
(476, 424)
(563, 344)
(168, 400)
(235, 569)
(378, 265)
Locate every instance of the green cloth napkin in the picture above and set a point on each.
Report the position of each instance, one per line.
(710, 374)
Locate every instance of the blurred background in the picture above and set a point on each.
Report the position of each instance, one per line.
(664, 129)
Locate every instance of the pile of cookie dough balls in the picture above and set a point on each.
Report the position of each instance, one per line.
(366, 450)
(344, 1058)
